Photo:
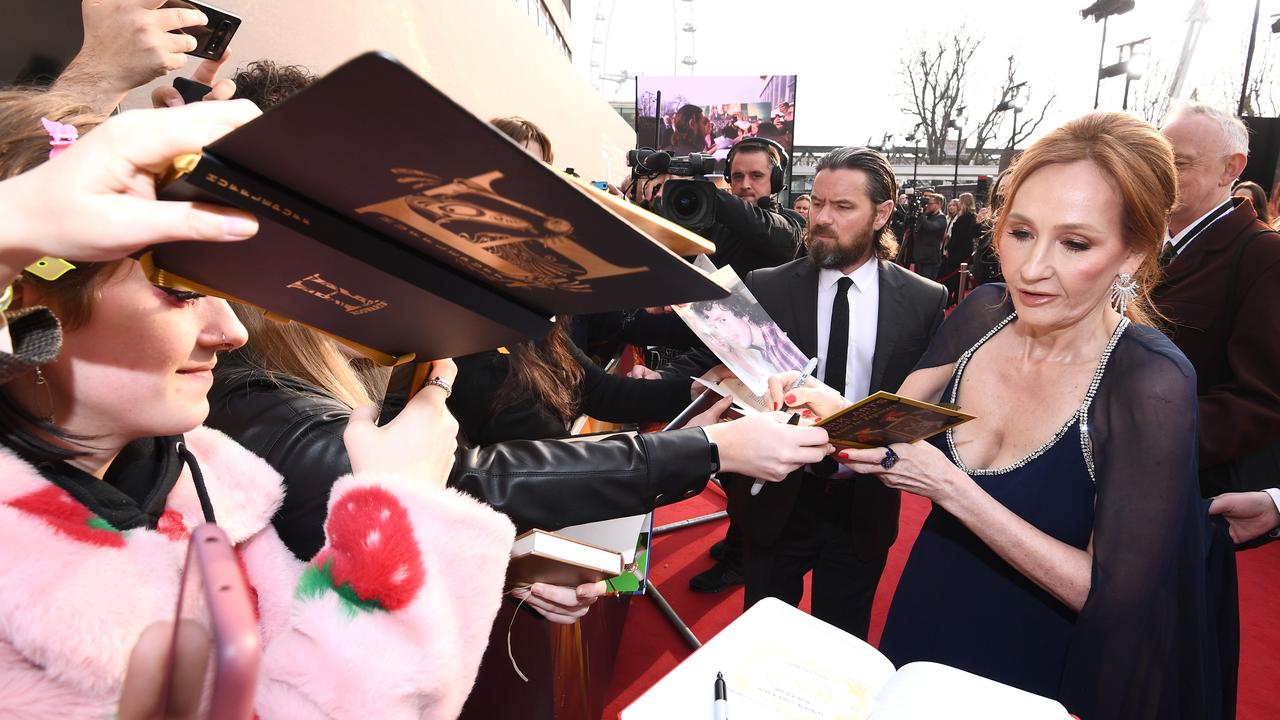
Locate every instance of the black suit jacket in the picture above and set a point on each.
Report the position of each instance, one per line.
(911, 309)
(960, 246)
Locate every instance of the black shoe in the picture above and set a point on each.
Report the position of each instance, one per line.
(721, 576)
(718, 550)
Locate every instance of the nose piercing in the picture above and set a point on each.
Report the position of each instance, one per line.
(224, 338)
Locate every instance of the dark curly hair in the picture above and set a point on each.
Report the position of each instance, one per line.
(267, 84)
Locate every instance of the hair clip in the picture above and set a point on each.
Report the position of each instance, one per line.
(61, 136)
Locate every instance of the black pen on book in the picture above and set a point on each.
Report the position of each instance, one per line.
(720, 711)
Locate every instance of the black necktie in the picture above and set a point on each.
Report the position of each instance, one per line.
(838, 338)
(1167, 255)
(837, 357)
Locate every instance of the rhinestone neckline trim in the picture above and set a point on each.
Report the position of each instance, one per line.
(1081, 415)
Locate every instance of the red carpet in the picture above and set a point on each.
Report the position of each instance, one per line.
(651, 646)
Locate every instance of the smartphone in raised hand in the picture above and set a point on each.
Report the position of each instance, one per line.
(406, 381)
(212, 39)
(213, 599)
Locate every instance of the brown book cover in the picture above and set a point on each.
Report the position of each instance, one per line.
(397, 220)
(882, 418)
(550, 559)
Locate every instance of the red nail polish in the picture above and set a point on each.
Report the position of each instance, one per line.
(805, 413)
(790, 399)
(775, 406)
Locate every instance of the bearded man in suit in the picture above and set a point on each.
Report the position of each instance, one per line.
(868, 321)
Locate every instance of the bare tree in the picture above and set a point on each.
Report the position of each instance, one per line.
(990, 125)
(1149, 98)
(1260, 96)
(935, 76)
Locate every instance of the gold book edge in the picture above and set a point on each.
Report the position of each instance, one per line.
(167, 279)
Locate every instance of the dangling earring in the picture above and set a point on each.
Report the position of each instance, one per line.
(48, 393)
(1123, 291)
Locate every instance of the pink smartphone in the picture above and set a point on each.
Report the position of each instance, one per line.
(214, 596)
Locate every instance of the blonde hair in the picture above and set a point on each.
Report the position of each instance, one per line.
(298, 351)
(1138, 161)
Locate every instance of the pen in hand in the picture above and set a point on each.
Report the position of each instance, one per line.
(809, 367)
(721, 707)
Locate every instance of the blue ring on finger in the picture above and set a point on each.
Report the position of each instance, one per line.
(889, 460)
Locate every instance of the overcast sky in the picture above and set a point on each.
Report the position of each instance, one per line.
(847, 52)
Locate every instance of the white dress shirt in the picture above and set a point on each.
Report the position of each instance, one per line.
(1175, 239)
(864, 308)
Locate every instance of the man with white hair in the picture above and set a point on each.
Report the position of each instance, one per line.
(1221, 292)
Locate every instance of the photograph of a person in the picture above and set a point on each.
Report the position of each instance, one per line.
(743, 335)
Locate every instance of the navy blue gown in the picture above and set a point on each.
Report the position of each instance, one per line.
(1156, 638)
(992, 620)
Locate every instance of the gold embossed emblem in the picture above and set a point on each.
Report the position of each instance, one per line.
(351, 303)
(500, 239)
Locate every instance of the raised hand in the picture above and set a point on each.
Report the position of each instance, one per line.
(419, 442)
(206, 74)
(96, 201)
(127, 44)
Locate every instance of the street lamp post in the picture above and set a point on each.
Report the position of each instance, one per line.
(914, 137)
(1131, 64)
(958, 124)
(1101, 10)
(1012, 101)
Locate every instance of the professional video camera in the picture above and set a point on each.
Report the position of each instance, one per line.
(688, 201)
(915, 201)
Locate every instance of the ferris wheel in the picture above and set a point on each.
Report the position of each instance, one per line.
(684, 58)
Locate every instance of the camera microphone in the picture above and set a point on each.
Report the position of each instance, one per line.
(651, 161)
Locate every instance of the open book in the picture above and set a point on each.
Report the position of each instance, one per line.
(397, 221)
(782, 663)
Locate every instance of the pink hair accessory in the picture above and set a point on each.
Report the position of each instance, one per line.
(61, 136)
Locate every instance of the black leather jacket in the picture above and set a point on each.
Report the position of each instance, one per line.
(749, 235)
(549, 484)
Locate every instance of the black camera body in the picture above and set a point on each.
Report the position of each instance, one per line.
(688, 201)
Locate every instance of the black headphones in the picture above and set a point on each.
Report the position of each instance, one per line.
(777, 176)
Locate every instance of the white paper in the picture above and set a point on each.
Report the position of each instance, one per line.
(619, 535)
(929, 690)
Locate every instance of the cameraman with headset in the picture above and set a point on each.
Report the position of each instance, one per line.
(749, 227)
(752, 229)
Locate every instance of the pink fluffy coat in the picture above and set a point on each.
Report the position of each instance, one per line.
(71, 609)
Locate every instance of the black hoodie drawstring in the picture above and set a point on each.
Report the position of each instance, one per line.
(198, 478)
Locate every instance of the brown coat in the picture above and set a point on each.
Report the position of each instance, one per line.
(1239, 390)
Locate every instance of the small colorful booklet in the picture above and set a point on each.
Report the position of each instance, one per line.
(882, 418)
